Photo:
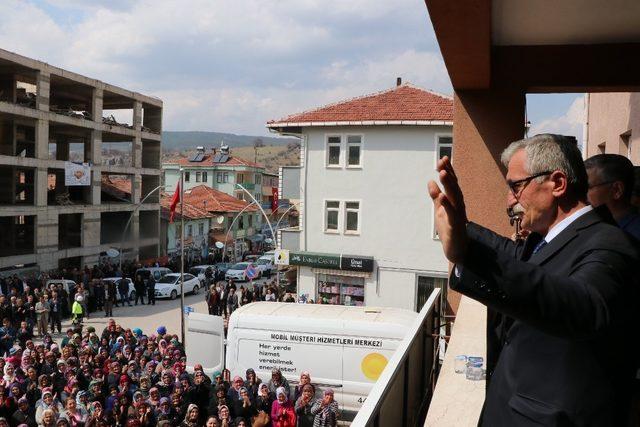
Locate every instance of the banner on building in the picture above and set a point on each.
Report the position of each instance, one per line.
(77, 174)
(274, 202)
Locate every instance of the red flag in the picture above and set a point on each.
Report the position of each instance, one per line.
(174, 201)
(274, 202)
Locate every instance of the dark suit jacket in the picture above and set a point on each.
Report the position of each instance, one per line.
(561, 326)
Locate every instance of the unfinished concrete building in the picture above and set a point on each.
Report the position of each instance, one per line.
(49, 116)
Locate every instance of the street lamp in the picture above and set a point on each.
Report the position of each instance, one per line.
(226, 237)
(126, 227)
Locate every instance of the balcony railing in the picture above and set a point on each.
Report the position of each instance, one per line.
(402, 393)
(248, 186)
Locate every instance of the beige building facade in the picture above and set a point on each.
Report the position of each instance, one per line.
(50, 117)
(613, 124)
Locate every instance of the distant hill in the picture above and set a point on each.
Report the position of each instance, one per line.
(188, 140)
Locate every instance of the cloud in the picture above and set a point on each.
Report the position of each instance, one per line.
(570, 123)
(229, 65)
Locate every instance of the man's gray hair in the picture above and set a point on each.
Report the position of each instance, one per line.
(551, 152)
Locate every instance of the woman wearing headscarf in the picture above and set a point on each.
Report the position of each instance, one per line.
(24, 414)
(282, 411)
(305, 378)
(192, 416)
(48, 402)
(303, 406)
(77, 416)
(97, 417)
(244, 407)
(252, 382)
(278, 380)
(264, 400)
(325, 411)
(165, 411)
(9, 376)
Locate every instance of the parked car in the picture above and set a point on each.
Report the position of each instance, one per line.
(157, 272)
(265, 265)
(199, 271)
(222, 268)
(252, 257)
(132, 290)
(169, 285)
(238, 271)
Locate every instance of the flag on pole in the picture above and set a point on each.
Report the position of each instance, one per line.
(274, 202)
(174, 202)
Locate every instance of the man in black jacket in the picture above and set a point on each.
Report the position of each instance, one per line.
(560, 305)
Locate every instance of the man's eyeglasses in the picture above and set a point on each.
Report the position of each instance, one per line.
(519, 185)
(599, 184)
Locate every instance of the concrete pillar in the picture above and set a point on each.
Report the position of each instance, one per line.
(43, 90)
(46, 231)
(96, 104)
(90, 228)
(485, 122)
(135, 234)
(42, 139)
(137, 115)
(136, 188)
(137, 152)
(93, 154)
(41, 186)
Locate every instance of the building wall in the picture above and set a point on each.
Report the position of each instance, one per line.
(611, 117)
(49, 79)
(396, 213)
(174, 228)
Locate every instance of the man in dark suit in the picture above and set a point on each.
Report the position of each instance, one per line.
(560, 343)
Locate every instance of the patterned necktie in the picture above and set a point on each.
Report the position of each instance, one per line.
(539, 246)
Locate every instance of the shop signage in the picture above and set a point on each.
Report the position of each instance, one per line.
(331, 261)
(356, 263)
(311, 259)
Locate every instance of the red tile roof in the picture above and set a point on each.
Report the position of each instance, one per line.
(190, 211)
(405, 103)
(116, 187)
(208, 161)
(213, 200)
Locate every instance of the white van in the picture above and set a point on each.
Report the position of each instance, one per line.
(344, 348)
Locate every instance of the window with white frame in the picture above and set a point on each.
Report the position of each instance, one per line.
(334, 144)
(352, 217)
(354, 150)
(240, 178)
(200, 229)
(187, 176)
(258, 179)
(189, 230)
(250, 220)
(241, 222)
(204, 177)
(222, 177)
(198, 177)
(445, 147)
(332, 214)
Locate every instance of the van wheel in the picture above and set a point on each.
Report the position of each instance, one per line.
(174, 294)
(196, 289)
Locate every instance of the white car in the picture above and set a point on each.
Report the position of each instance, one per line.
(265, 265)
(238, 271)
(132, 289)
(199, 271)
(169, 285)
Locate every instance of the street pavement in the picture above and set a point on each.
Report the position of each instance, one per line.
(148, 317)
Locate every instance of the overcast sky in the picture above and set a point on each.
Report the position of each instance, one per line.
(230, 66)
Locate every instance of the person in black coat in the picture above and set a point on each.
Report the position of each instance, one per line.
(151, 290)
(560, 303)
(138, 284)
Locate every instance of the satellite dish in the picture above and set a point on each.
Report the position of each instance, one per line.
(220, 219)
(113, 252)
(219, 245)
(268, 240)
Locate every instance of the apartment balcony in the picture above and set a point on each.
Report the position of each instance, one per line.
(402, 394)
(248, 186)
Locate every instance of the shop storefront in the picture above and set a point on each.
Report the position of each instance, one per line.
(339, 279)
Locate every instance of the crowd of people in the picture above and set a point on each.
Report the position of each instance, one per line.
(122, 377)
